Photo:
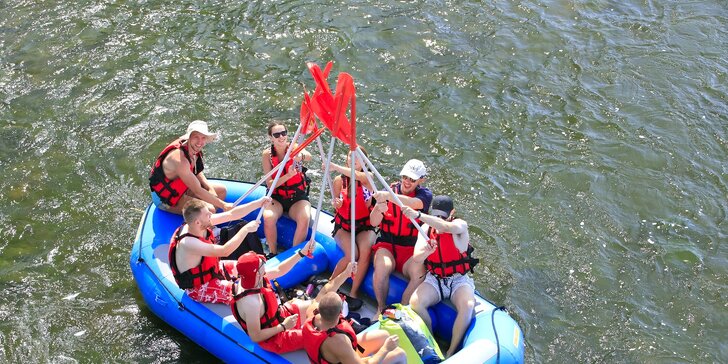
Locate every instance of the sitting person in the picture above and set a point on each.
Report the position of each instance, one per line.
(177, 177)
(396, 242)
(447, 257)
(194, 256)
(329, 338)
(276, 328)
(290, 194)
(342, 224)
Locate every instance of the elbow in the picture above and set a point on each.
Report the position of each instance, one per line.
(257, 337)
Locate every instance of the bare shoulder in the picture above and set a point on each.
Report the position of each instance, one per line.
(338, 348)
(249, 305)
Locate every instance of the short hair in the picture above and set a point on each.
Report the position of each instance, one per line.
(192, 209)
(273, 124)
(330, 306)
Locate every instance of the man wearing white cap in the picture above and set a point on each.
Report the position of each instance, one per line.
(395, 244)
(177, 177)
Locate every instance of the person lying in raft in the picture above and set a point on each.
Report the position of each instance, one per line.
(365, 234)
(395, 245)
(290, 194)
(276, 328)
(329, 338)
(447, 258)
(194, 255)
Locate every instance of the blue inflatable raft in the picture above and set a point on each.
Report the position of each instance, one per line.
(492, 337)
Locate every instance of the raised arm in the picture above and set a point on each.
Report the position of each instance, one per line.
(457, 227)
(336, 283)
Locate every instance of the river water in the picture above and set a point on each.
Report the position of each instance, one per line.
(583, 141)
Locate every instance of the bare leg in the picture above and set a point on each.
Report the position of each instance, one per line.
(383, 267)
(220, 190)
(415, 272)
(177, 209)
(300, 212)
(464, 301)
(424, 296)
(372, 341)
(364, 247)
(270, 217)
(342, 240)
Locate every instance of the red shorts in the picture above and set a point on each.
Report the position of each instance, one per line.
(216, 290)
(289, 340)
(401, 253)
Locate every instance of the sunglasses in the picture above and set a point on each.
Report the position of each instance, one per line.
(405, 178)
(280, 134)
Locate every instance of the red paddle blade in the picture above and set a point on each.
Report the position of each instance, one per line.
(332, 110)
(308, 121)
(346, 100)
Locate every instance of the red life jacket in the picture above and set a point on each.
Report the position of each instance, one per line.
(297, 183)
(208, 268)
(313, 338)
(447, 260)
(170, 191)
(395, 227)
(361, 214)
(271, 310)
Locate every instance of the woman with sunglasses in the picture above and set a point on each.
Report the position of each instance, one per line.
(290, 194)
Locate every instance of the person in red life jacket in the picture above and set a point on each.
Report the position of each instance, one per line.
(290, 195)
(329, 338)
(176, 176)
(397, 235)
(447, 257)
(364, 230)
(194, 255)
(275, 327)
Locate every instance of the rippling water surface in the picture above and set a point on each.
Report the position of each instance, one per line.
(584, 141)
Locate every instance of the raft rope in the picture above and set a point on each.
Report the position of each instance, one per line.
(181, 306)
(492, 321)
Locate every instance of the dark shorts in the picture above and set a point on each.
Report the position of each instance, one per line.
(287, 203)
(358, 228)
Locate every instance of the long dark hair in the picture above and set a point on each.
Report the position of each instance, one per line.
(273, 124)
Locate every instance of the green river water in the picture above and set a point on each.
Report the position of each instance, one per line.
(583, 141)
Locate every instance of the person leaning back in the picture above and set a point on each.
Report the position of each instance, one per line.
(176, 176)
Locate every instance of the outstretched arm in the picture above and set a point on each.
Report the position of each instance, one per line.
(457, 227)
(238, 212)
(334, 284)
(197, 247)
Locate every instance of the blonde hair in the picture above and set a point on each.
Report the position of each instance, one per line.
(192, 209)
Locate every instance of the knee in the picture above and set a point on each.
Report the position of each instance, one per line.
(269, 218)
(466, 307)
(416, 303)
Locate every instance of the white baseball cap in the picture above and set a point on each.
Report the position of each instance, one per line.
(414, 169)
(200, 127)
